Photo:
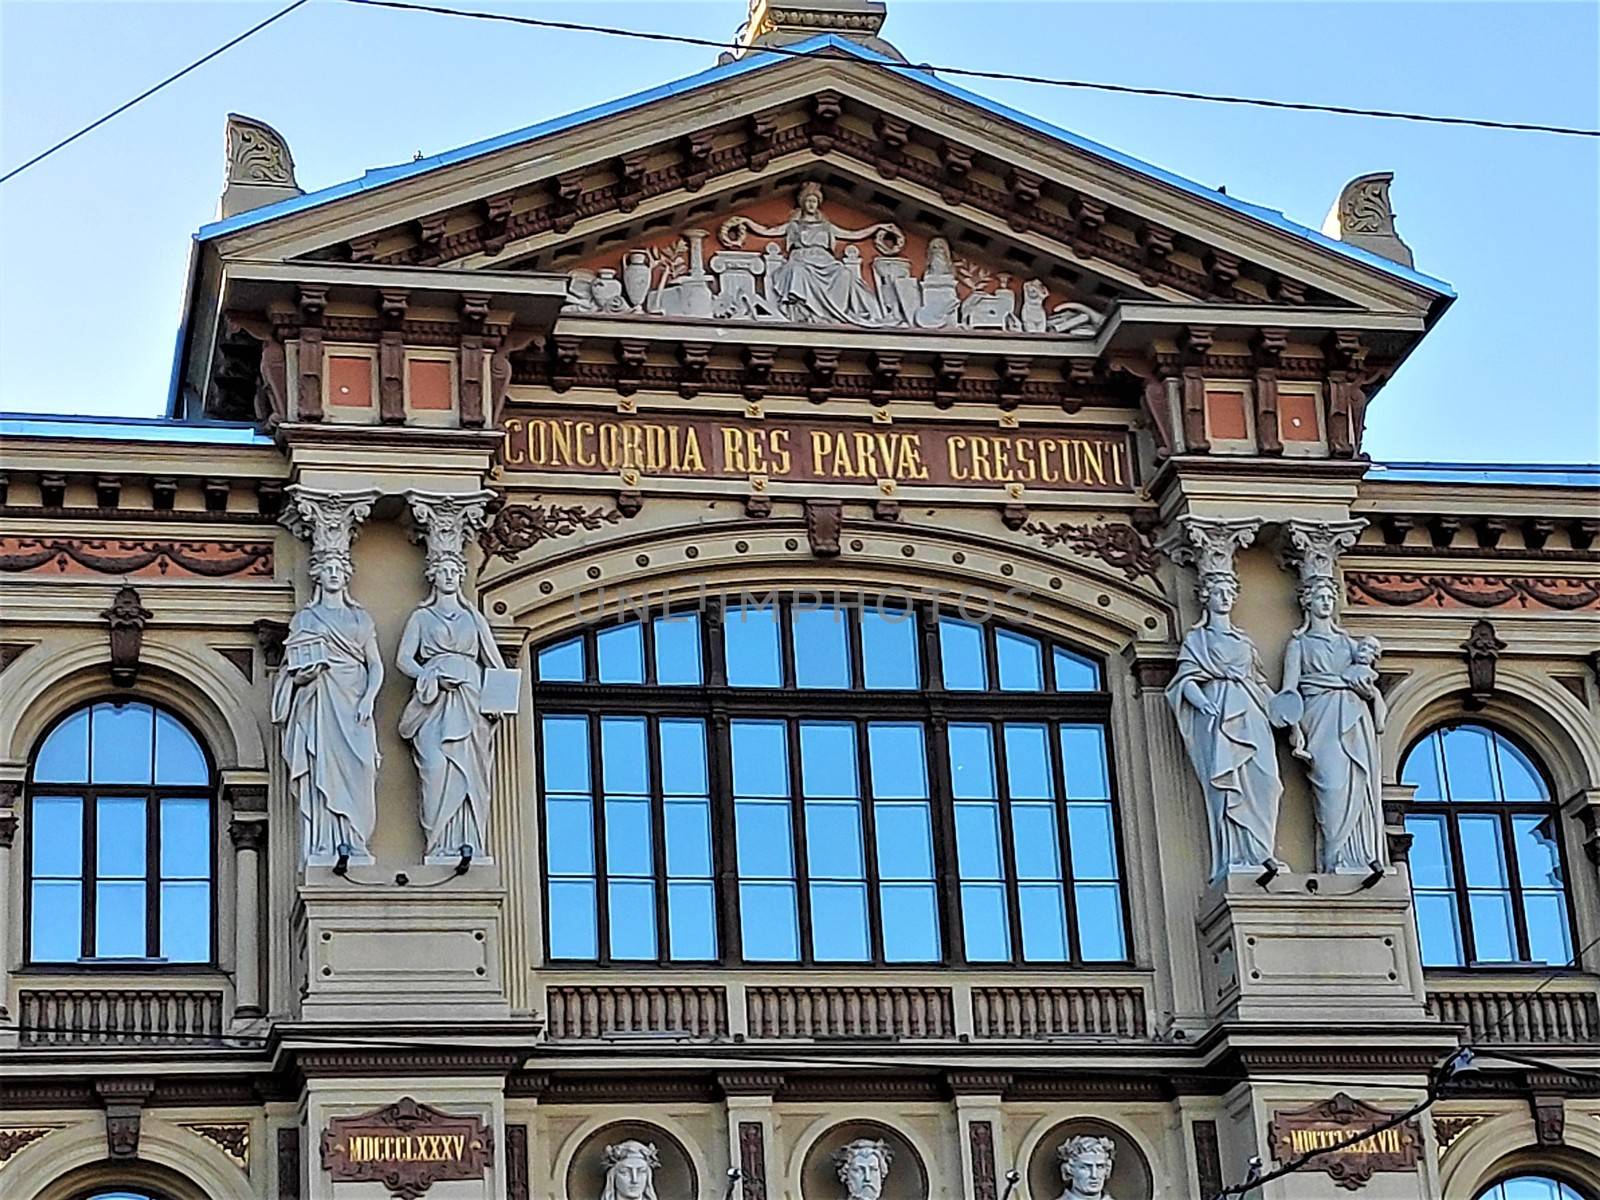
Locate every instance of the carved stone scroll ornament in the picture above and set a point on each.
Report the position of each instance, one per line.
(323, 696)
(519, 527)
(1363, 216)
(630, 1171)
(126, 619)
(446, 648)
(802, 276)
(1086, 1165)
(1115, 543)
(1331, 699)
(257, 153)
(863, 1168)
(1220, 697)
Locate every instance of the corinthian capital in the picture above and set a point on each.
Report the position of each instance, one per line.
(1209, 543)
(1313, 547)
(445, 520)
(327, 520)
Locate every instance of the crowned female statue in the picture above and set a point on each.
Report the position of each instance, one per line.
(813, 285)
(323, 696)
(445, 647)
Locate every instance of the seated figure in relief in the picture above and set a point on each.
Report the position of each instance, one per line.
(1086, 1163)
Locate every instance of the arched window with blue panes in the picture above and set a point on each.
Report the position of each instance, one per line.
(782, 780)
(1532, 1187)
(1488, 874)
(120, 850)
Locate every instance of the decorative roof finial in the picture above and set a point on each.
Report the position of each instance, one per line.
(785, 22)
(1362, 216)
(260, 169)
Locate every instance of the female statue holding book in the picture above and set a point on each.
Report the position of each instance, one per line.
(447, 647)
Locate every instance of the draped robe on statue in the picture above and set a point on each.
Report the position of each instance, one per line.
(814, 285)
(451, 740)
(1233, 753)
(1338, 739)
(332, 756)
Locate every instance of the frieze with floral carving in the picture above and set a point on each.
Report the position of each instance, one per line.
(135, 556)
(1555, 593)
(1115, 543)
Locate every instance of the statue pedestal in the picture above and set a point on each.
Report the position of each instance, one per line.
(371, 950)
(1310, 949)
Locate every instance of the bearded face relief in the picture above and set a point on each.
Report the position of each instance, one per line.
(1086, 1164)
(863, 1167)
(811, 268)
(630, 1171)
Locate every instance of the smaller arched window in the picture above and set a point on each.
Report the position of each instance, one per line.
(1532, 1187)
(120, 850)
(1487, 871)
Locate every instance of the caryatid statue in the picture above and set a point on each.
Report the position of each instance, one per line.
(630, 1171)
(1086, 1163)
(323, 696)
(445, 647)
(1221, 697)
(1330, 693)
(863, 1166)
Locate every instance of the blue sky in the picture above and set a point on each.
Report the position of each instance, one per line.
(94, 242)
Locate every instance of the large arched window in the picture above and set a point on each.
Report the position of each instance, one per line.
(820, 783)
(1487, 870)
(120, 850)
(1532, 1187)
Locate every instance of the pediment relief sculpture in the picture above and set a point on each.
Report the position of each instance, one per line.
(813, 262)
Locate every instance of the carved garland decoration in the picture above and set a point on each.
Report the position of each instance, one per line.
(232, 1138)
(1115, 543)
(519, 527)
(132, 556)
(1403, 590)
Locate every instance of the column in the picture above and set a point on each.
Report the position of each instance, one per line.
(10, 792)
(249, 835)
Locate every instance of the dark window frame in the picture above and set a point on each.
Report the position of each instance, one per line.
(89, 794)
(1504, 811)
(931, 705)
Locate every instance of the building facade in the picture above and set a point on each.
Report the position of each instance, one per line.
(800, 634)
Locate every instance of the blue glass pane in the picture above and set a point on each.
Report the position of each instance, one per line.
(562, 663)
(632, 904)
(833, 839)
(1494, 936)
(769, 926)
(624, 755)
(821, 647)
(57, 933)
(1518, 776)
(751, 646)
(678, 650)
(1438, 929)
(566, 754)
(120, 911)
(889, 647)
(760, 758)
(122, 743)
(1421, 769)
(628, 839)
(691, 921)
(688, 839)
(185, 838)
(1100, 934)
(1033, 828)
(1075, 673)
(569, 835)
(572, 920)
(1093, 842)
(621, 653)
(910, 922)
(179, 759)
(1549, 940)
(186, 922)
(1021, 661)
(1538, 856)
(764, 839)
(683, 756)
(1083, 758)
(971, 761)
(1430, 852)
(961, 654)
(57, 836)
(905, 840)
(828, 758)
(1469, 764)
(1044, 922)
(1482, 854)
(1028, 772)
(64, 757)
(978, 841)
(839, 922)
(983, 922)
(119, 838)
(899, 764)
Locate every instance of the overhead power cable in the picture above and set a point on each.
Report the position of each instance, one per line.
(974, 73)
(148, 92)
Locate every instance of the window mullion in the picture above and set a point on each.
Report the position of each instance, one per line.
(800, 861)
(658, 838)
(597, 794)
(1519, 915)
(91, 865)
(1469, 941)
(1008, 847)
(869, 846)
(152, 873)
(1069, 890)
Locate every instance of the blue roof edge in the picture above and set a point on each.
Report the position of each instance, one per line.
(131, 429)
(1581, 475)
(383, 176)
